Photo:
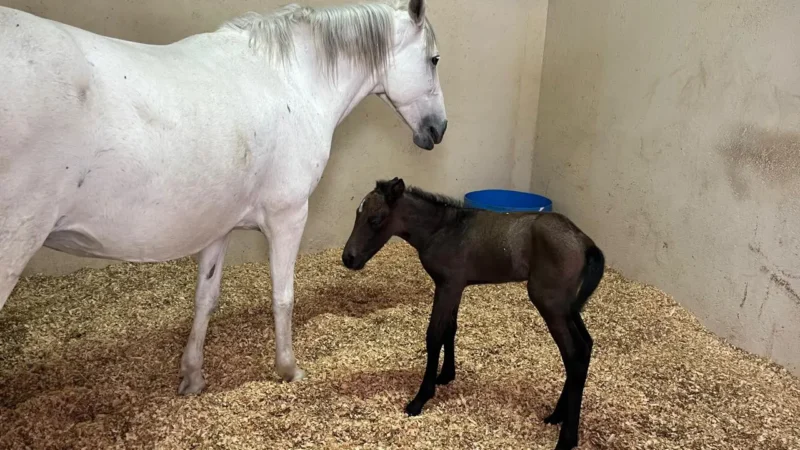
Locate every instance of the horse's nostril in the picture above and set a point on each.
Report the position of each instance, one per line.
(437, 132)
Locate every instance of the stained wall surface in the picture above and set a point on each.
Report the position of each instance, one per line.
(670, 131)
(490, 69)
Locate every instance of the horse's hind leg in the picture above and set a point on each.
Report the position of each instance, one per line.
(21, 236)
(208, 280)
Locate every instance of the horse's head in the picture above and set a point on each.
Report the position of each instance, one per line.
(411, 82)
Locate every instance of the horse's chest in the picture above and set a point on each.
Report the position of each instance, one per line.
(292, 178)
(316, 166)
(302, 171)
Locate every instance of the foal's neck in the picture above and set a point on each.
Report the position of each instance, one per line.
(420, 219)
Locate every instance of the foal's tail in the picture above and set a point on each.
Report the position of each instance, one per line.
(592, 273)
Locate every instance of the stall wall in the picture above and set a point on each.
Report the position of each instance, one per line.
(490, 71)
(670, 131)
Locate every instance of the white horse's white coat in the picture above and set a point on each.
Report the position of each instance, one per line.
(145, 153)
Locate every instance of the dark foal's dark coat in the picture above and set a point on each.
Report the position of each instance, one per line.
(459, 247)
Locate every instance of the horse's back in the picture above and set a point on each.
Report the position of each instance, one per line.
(44, 77)
(122, 146)
(37, 50)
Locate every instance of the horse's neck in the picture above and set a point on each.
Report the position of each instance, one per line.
(333, 100)
(350, 89)
(336, 99)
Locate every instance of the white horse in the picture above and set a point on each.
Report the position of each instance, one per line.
(145, 153)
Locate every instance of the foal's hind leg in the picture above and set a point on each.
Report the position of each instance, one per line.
(206, 295)
(553, 305)
(578, 331)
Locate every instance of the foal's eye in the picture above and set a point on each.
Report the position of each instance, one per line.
(435, 60)
(375, 222)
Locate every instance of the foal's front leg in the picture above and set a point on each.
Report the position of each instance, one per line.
(206, 294)
(448, 372)
(445, 306)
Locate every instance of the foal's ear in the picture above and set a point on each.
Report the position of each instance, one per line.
(395, 191)
(416, 9)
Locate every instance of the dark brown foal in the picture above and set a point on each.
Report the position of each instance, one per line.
(459, 247)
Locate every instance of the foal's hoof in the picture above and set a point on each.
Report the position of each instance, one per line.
(193, 383)
(566, 445)
(414, 408)
(554, 419)
(445, 378)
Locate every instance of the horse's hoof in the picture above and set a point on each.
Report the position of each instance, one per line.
(299, 374)
(445, 378)
(291, 376)
(192, 384)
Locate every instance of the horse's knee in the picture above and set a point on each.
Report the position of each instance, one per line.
(283, 301)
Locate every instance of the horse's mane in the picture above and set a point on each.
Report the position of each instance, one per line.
(363, 33)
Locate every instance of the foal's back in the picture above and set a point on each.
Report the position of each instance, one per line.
(504, 247)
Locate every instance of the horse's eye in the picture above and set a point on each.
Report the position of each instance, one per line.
(435, 60)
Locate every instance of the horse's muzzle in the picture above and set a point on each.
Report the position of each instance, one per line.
(431, 132)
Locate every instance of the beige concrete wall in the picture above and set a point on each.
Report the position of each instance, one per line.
(670, 131)
(491, 63)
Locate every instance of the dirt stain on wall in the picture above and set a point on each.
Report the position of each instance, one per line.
(771, 155)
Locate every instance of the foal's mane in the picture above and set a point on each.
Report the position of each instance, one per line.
(419, 193)
(437, 199)
(363, 33)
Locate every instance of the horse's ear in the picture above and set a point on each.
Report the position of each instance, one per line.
(416, 9)
(396, 189)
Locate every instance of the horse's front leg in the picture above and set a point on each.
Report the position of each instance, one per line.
(207, 292)
(284, 230)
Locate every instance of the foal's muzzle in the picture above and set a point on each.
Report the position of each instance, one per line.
(351, 262)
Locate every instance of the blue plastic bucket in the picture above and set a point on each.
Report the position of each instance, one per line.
(501, 200)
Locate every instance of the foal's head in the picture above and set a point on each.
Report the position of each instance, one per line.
(375, 223)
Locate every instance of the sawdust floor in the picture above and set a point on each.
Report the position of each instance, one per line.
(91, 361)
